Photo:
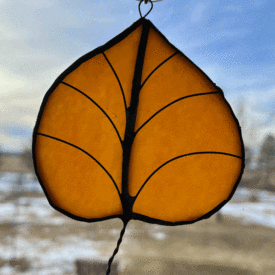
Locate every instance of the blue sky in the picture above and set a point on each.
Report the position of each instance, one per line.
(232, 41)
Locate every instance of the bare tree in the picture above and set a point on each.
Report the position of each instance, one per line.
(251, 127)
(1, 157)
(248, 130)
(266, 159)
(248, 156)
(27, 157)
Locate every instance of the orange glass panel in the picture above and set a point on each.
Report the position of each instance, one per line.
(74, 118)
(74, 181)
(186, 189)
(86, 166)
(176, 78)
(90, 78)
(195, 124)
(157, 51)
(123, 58)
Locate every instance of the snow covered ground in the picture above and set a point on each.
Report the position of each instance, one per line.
(47, 256)
(57, 256)
(261, 212)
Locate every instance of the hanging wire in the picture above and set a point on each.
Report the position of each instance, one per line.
(117, 247)
(146, 2)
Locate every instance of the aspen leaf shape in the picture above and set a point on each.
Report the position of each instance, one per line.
(136, 130)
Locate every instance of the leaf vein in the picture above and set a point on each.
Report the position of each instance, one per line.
(158, 68)
(120, 85)
(181, 156)
(171, 103)
(101, 109)
(68, 143)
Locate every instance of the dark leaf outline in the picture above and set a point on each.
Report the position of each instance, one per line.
(126, 199)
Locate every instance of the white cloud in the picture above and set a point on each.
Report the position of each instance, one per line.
(8, 33)
(39, 4)
(40, 39)
(10, 81)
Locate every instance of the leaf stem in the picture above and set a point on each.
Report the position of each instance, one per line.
(117, 247)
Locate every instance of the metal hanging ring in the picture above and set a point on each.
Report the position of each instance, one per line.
(145, 2)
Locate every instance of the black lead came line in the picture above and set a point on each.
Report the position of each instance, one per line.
(121, 88)
(68, 143)
(173, 102)
(127, 200)
(181, 156)
(97, 106)
(158, 68)
(131, 113)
